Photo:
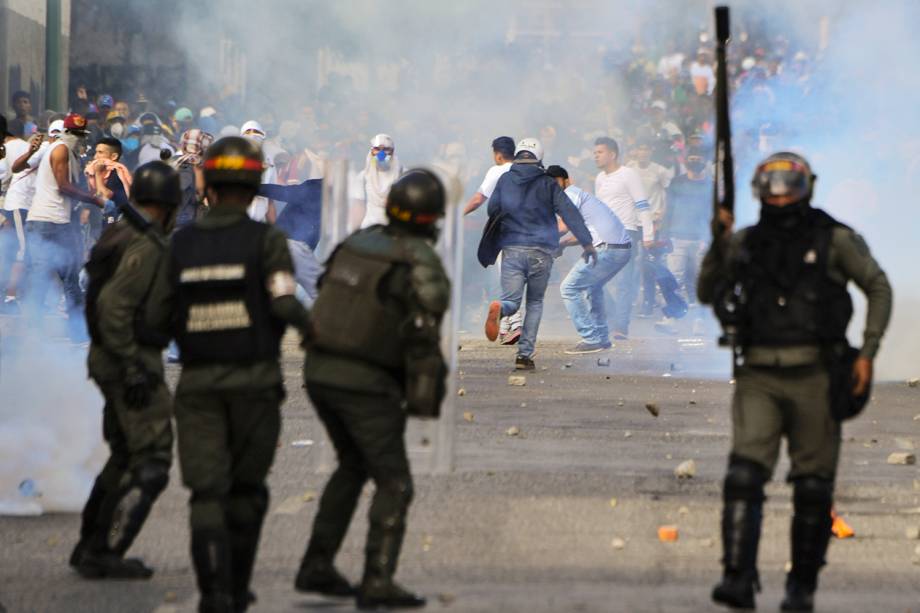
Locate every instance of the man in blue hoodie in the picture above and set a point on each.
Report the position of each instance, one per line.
(526, 202)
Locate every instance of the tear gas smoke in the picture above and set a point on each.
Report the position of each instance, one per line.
(444, 79)
(50, 436)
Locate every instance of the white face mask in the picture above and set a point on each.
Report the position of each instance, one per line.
(117, 129)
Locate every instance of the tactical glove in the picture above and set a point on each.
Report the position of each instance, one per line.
(139, 386)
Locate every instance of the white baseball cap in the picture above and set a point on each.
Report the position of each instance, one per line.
(384, 141)
(531, 145)
(660, 104)
(56, 127)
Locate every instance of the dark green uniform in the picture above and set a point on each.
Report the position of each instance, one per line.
(140, 439)
(227, 292)
(786, 281)
(377, 322)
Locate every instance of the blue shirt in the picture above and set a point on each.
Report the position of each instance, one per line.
(300, 219)
(604, 225)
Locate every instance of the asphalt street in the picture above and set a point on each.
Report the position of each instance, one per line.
(554, 503)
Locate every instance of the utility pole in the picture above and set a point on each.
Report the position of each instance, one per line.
(54, 94)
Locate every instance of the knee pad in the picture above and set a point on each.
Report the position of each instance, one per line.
(744, 480)
(400, 489)
(152, 477)
(813, 494)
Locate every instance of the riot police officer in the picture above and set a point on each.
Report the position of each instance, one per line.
(125, 362)
(375, 359)
(780, 287)
(228, 292)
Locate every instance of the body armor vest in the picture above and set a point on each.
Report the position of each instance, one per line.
(104, 259)
(784, 294)
(223, 307)
(357, 314)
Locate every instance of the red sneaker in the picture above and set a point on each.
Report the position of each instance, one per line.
(492, 320)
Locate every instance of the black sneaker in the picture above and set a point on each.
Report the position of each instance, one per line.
(584, 347)
(522, 363)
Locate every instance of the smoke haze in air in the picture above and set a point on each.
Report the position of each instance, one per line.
(434, 74)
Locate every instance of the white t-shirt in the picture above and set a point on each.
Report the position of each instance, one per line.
(49, 204)
(623, 192)
(22, 184)
(705, 71)
(258, 209)
(492, 177)
(655, 179)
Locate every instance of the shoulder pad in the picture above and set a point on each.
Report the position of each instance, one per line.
(430, 284)
(375, 243)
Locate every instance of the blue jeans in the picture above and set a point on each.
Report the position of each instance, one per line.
(531, 267)
(626, 285)
(583, 293)
(55, 251)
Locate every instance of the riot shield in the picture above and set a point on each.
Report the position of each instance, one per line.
(429, 442)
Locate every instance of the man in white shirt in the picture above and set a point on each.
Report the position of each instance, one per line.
(655, 179)
(621, 189)
(19, 167)
(262, 209)
(381, 169)
(52, 235)
(503, 155)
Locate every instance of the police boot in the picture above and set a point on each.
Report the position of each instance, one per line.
(89, 519)
(811, 533)
(384, 541)
(378, 590)
(211, 558)
(742, 514)
(317, 574)
(244, 543)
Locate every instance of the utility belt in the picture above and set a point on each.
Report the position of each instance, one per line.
(601, 246)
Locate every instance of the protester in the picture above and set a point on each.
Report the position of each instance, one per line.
(621, 189)
(583, 288)
(187, 162)
(381, 169)
(22, 123)
(17, 175)
(528, 200)
(503, 155)
(261, 209)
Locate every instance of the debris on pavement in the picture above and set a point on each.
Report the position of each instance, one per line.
(461, 392)
(913, 382)
(618, 543)
(468, 416)
(620, 402)
(652, 408)
(840, 528)
(627, 434)
(519, 380)
(613, 503)
(513, 431)
(683, 511)
(912, 532)
(603, 361)
(426, 542)
(904, 443)
(902, 458)
(308, 496)
(302, 443)
(567, 365)
(446, 598)
(667, 534)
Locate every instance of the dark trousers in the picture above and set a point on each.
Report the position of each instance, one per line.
(368, 432)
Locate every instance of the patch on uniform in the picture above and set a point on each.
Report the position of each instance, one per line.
(133, 261)
(282, 283)
(218, 316)
(218, 272)
(811, 256)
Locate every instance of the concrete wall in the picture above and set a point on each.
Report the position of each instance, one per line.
(22, 49)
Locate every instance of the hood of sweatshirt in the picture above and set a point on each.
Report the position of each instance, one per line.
(523, 173)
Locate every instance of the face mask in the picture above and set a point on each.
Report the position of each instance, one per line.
(130, 144)
(784, 216)
(73, 142)
(117, 130)
(696, 166)
(383, 159)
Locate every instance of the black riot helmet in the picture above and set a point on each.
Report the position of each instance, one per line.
(417, 201)
(233, 160)
(783, 178)
(156, 183)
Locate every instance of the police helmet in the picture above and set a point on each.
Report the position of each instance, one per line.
(783, 178)
(417, 200)
(234, 160)
(156, 183)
